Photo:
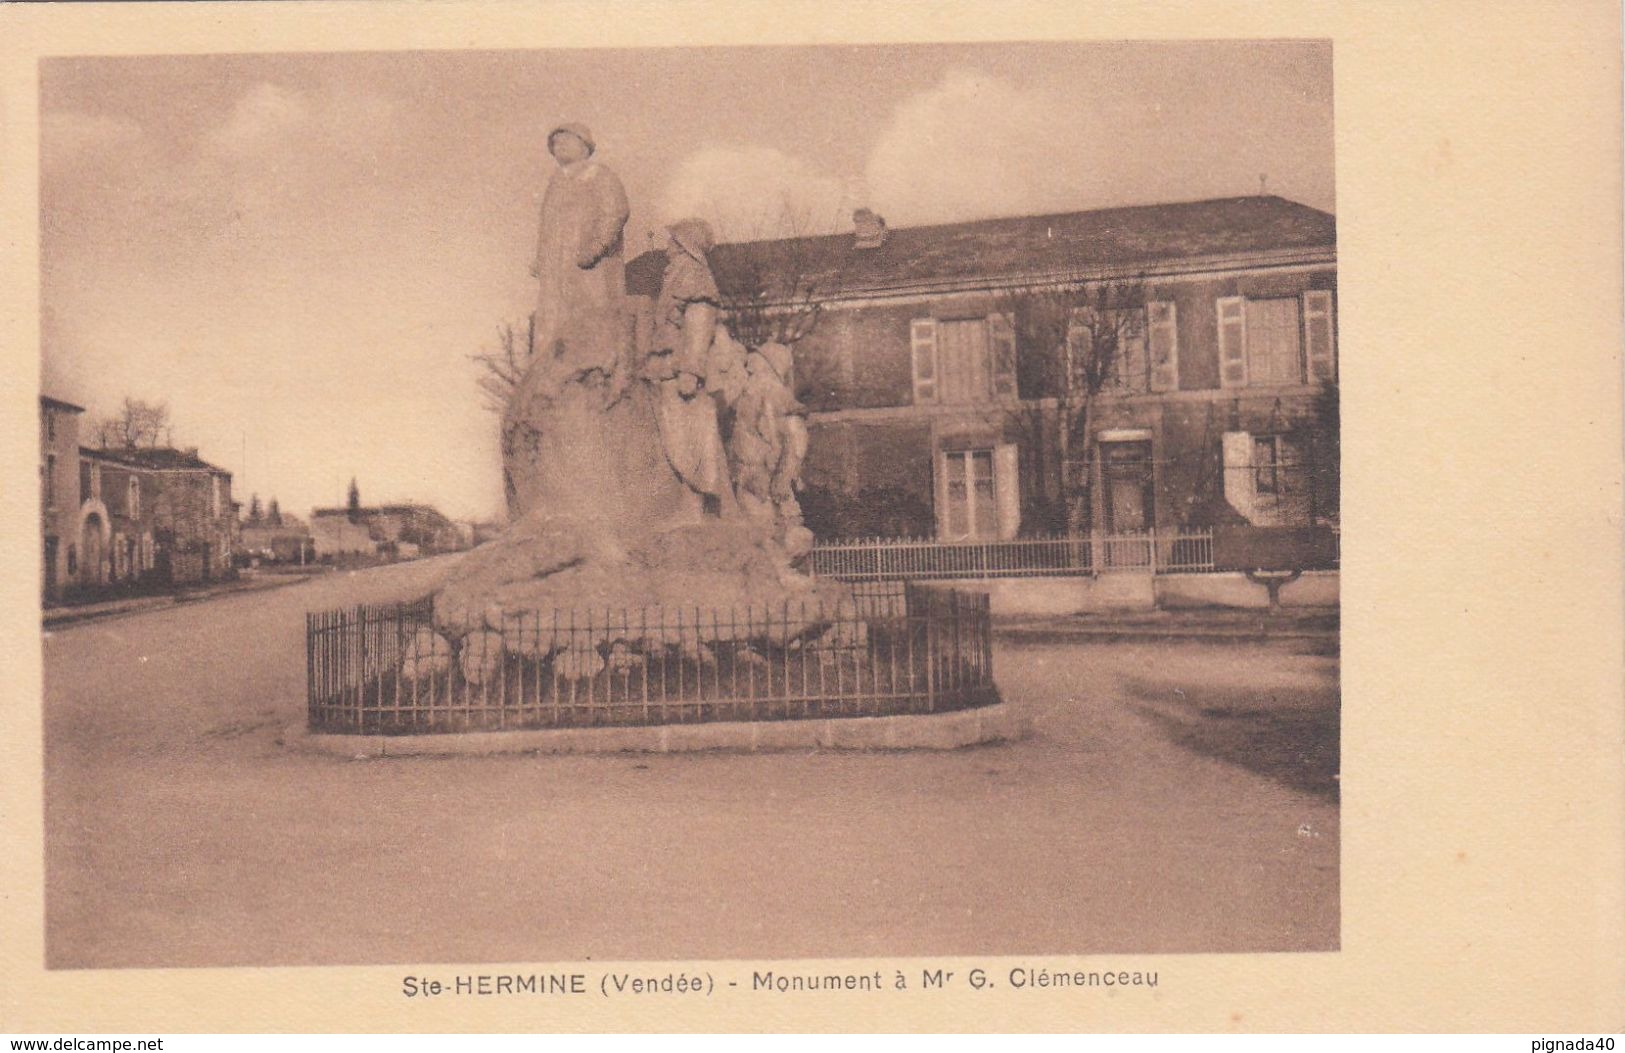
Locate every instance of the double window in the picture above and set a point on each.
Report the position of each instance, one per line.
(1276, 341)
(978, 492)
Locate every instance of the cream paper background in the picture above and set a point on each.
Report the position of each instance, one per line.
(1483, 808)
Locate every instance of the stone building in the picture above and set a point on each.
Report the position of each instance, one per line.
(410, 528)
(1224, 412)
(62, 528)
(168, 515)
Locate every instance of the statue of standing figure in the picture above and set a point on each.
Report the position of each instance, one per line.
(769, 441)
(580, 328)
(697, 365)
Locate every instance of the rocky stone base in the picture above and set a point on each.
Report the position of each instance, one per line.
(735, 571)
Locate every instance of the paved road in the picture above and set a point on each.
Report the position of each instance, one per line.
(1175, 798)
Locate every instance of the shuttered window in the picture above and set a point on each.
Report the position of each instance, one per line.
(923, 339)
(1133, 370)
(1232, 341)
(1281, 341)
(971, 494)
(1002, 347)
(1162, 340)
(1319, 335)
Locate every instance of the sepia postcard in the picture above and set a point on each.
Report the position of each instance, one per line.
(1030, 517)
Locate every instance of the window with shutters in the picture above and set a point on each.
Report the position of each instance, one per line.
(1162, 345)
(1266, 478)
(1278, 341)
(1142, 345)
(923, 338)
(978, 492)
(1131, 372)
(963, 360)
(971, 502)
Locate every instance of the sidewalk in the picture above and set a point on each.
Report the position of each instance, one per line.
(1217, 624)
(58, 617)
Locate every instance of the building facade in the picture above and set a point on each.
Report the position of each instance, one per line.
(61, 529)
(927, 419)
(166, 516)
(410, 529)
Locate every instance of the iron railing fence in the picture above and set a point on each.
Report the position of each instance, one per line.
(889, 649)
(883, 559)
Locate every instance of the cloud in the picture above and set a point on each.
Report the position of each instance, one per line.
(262, 120)
(973, 146)
(753, 191)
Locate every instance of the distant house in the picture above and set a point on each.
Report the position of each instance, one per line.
(288, 541)
(168, 514)
(334, 536)
(912, 370)
(409, 528)
(62, 527)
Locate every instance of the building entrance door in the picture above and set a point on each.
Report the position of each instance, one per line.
(1129, 494)
(92, 555)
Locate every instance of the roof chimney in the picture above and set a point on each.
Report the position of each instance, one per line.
(869, 229)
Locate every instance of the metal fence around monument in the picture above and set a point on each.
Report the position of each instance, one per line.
(888, 649)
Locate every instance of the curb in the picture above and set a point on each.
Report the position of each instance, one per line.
(940, 731)
(71, 616)
(1135, 634)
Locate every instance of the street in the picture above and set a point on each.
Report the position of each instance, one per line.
(1174, 797)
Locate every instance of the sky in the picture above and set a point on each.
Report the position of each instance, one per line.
(298, 253)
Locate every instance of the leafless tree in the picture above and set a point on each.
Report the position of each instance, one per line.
(776, 276)
(501, 368)
(137, 423)
(1072, 343)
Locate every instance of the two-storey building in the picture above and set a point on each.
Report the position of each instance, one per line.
(169, 514)
(60, 527)
(1222, 410)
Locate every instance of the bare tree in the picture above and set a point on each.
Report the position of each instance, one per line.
(501, 368)
(776, 277)
(1073, 342)
(137, 423)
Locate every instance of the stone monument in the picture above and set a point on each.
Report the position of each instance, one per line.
(622, 493)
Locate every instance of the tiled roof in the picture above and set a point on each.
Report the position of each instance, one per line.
(157, 458)
(1029, 246)
(374, 510)
(46, 400)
